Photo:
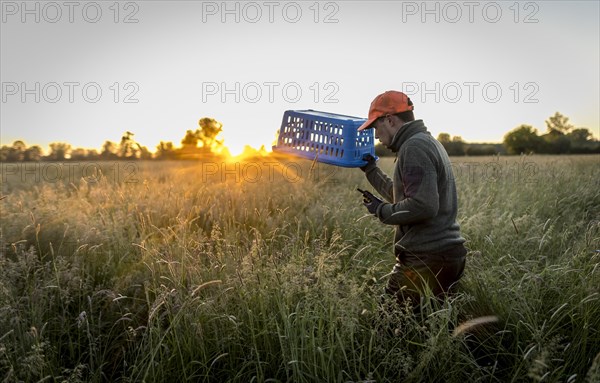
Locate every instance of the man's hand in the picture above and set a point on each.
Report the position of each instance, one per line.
(370, 201)
(371, 162)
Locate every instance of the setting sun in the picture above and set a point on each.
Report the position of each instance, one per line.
(236, 145)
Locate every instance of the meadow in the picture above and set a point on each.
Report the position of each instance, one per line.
(271, 270)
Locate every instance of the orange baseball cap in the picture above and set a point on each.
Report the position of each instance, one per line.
(390, 102)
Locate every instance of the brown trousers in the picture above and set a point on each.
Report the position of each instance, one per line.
(416, 274)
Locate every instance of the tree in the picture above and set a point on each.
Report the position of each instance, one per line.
(128, 148)
(4, 153)
(208, 132)
(555, 142)
(19, 146)
(92, 154)
(443, 138)
(165, 151)
(109, 150)
(482, 150)
(189, 149)
(523, 139)
(17, 152)
(457, 146)
(144, 153)
(581, 141)
(190, 139)
(79, 154)
(33, 153)
(204, 140)
(59, 151)
(13, 153)
(579, 135)
(454, 146)
(558, 123)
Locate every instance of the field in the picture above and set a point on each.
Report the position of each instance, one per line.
(271, 270)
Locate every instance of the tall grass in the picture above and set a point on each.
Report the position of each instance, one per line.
(189, 272)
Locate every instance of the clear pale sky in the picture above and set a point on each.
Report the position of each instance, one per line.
(184, 60)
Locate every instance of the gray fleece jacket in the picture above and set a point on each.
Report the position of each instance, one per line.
(422, 195)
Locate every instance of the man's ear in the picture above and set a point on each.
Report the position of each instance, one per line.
(396, 120)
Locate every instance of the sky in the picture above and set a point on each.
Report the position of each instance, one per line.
(86, 72)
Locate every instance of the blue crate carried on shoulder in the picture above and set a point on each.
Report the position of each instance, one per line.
(328, 137)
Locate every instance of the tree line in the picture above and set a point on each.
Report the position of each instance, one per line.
(561, 137)
(195, 144)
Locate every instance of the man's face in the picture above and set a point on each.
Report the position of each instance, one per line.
(384, 130)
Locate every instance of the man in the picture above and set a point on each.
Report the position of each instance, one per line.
(422, 201)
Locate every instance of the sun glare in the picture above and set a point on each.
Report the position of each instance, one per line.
(238, 149)
(235, 148)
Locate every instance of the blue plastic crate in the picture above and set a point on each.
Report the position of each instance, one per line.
(328, 137)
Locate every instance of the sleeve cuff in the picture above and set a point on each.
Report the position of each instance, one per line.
(379, 211)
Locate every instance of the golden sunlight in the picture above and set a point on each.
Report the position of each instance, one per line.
(235, 148)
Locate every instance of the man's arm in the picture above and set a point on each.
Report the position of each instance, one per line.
(380, 181)
(419, 179)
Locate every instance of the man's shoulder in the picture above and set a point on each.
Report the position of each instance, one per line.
(421, 148)
(422, 140)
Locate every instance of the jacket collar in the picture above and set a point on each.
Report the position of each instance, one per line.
(405, 132)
